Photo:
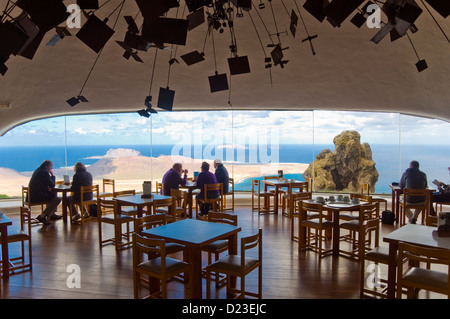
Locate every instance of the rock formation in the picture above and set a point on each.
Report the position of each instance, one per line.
(345, 169)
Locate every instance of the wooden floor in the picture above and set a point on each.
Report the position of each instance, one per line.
(105, 273)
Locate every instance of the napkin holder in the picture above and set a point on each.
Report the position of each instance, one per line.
(443, 231)
(147, 189)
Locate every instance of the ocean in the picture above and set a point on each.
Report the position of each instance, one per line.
(391, 161)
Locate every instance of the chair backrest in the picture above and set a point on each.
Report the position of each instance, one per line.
(419, 254)
(365, 190)
(306, 207)
(422, 195)
(25, 196)
(255, 183)
(231, 187)
(106, 206)
(25, 220)
(223, 218)
(148, 222)
(84, 190)
(300, 186)
(250, 242)
(213, 187)
(125, 193)
(151, 247)
(109, 182)
(159, 188)
(362, 197)
(180, 197)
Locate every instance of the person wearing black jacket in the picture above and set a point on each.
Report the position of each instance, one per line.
(41, 187)
(222, 175)
(81, 178)
(414, 178)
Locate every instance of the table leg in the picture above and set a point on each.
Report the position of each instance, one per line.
(301, 234)
(64, 207)
(392, 269)
(275, 200)
(5, 256)
(191, 201)
(195, 259)
(336, 233)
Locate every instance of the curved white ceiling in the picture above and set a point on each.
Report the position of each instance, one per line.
(349, 72)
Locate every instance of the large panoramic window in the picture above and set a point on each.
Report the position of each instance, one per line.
(252, 144)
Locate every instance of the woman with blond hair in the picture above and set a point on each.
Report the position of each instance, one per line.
(81, 178)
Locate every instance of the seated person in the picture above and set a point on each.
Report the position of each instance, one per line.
(443, 193)
(414, 178)
(206, 177)
(41, 187)
(81, 178)
(172, 178)
(222, 175)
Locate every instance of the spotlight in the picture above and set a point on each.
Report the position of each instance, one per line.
(76, 99)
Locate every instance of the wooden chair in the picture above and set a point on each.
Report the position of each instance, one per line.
(353, 215)
(159, 188)
(156, 220)
(296, 202)
(108, 214)
(158, 265)
(26, 202)
(377, 286)
(423, 206)
(294, 188)
(365, 190)
(215, 202)
(23, 235)
(256, 192)
(368, 222)
(108, 183)
(230, 193)
(84, 205)
(318, 225)
(167, 205)
(415, 277)
(180, 206)
(239, 266)
(127, 210)
(219, 246)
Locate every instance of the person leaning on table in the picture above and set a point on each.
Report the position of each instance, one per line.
(41, 187)
(413, 178)
(81, 178)
(172, 178)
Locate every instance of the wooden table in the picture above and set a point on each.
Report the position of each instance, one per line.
(195, 234)
(137, 201)
(396, 192)
(190, 186)
(334, 210)
(412, 234)
(64, 189)
(278, 184)
(4, 223)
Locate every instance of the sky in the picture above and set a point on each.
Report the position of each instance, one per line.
(218, 128)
